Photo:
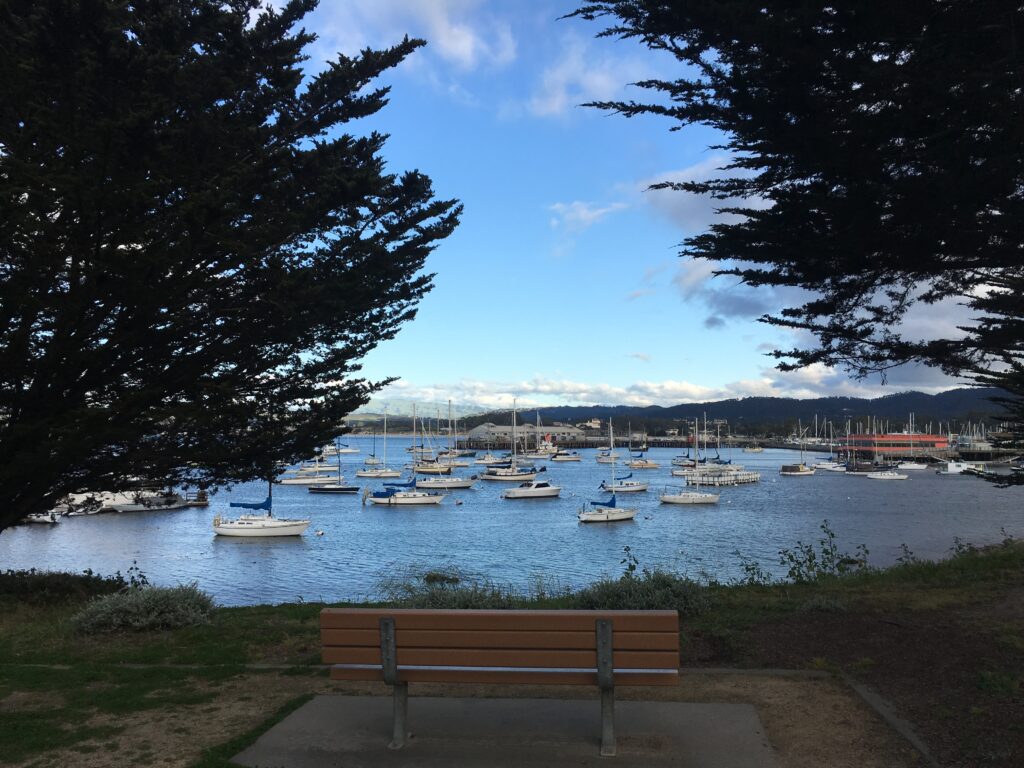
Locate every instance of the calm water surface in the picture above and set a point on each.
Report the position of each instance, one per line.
(517, 542)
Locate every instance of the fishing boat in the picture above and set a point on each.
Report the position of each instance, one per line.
(258, 525)
(533, 489)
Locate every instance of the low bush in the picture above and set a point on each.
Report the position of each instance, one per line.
(446, 588)
(650, 590)
(143, 609)
(53, 587)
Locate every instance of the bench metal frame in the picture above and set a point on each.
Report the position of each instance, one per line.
(400, 689)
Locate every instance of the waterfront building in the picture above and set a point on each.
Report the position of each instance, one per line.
(897, 443)
(500, 434)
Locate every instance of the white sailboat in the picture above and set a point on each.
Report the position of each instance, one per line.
(606, 511)
(393, 495)
(801, 469)
(382, 470)
(683, 496)
(258, 525)
(339, 486)
(510, 472)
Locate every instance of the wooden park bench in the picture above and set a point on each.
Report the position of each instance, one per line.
(602, 648)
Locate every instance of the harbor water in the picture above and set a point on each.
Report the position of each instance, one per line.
(522, 542)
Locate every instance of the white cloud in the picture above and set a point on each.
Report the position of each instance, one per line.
(640, 356)
(457, 31)
(811, 382)
(580, 75)
(577, 216)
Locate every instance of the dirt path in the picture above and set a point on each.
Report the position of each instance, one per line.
(811, 721)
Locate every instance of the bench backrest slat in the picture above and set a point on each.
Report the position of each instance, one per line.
(502, 646)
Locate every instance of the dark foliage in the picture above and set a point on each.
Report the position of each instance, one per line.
(194, 253)
(877, 161)
(53, 587)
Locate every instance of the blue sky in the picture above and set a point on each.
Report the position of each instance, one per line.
(562, 285)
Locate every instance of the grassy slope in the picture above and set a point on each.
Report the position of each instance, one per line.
(827, 623)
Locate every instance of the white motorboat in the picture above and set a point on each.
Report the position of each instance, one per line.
(831, 466)
(143, 502)
(432, 468)
(487, 458)
(250, 524)
(446, 483)
(533, 489)
(42, 518)
(887, 475)
(607, 457)
(673, 496)
(606, 512)
(960, 467)
(911, 465)
(753, 449)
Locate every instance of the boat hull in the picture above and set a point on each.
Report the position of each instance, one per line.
(690, 498)
(606, 515)
(254, 529)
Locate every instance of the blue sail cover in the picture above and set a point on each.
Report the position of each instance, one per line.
(264, 505)
(637, 455)
(609, 503)
(410, 484)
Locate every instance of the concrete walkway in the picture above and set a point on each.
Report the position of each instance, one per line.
(353, 731)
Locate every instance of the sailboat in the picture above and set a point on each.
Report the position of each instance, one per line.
(393, 495)
(607, 455)
(913, 463)
(511, 471)
(801, 469)
(606, 511)
(337, 487)
(314, 475)
(252, 525)
(382, 470)
(683, 496)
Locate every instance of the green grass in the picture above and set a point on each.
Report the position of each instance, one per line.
(184, 667)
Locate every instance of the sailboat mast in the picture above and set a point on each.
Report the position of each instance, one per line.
(513, 433)
(385, 437)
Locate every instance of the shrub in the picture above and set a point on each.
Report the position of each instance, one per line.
(651, 590)
(446, 588)
(143, 609)
(53, 587)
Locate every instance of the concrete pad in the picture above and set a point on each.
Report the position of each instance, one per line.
(353, 731)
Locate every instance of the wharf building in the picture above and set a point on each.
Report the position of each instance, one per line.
(501, 434)
(898, 444)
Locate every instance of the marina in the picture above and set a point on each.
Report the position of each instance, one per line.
(512, 542)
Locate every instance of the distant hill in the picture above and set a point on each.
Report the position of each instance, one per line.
(760, 415)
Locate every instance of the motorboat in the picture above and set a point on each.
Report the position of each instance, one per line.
(624, 485)
(143, 502)
(607, 457)
(322, 478)
(378, 472)
(487, 458)
(42, 518)
(509, 473)
(960, 468)
(338, 487)
(533, 489)
(753, 449)
(911, 465)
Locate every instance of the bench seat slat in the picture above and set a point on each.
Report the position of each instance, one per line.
(443, 638)
(511, 677)
(623, 621)
(476, 657)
